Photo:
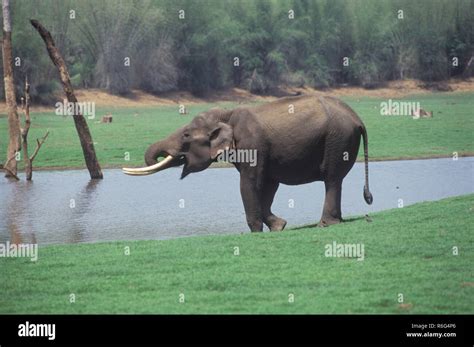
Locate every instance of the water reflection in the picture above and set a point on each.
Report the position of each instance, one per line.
(81, 206)
(162, 206)
(19, 224)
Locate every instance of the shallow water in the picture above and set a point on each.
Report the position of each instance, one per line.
(66, 207)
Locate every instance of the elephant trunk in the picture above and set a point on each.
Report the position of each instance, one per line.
(168, 148)
(153, 152)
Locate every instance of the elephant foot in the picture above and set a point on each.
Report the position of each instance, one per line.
(325, 222)
(255, 226)
(275, 223)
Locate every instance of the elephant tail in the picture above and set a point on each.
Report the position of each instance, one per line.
(367, 194)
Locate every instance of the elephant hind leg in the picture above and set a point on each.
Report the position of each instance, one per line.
(332, 204)
(273, 222)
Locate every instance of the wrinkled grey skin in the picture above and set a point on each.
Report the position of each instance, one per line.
(318, 142)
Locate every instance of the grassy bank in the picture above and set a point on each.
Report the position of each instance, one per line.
(407, 251)
(133, 129)
(401, 137)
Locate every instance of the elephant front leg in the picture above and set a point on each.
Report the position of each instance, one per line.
(332, 204)
(251, 197)
(273, 222)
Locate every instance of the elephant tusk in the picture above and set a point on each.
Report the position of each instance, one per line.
(149, 169)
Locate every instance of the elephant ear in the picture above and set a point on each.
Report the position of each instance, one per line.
(221, 139)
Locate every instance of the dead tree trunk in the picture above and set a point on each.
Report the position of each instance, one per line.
(79, 120)
(14, 144)
(24, 134)
(24, 131)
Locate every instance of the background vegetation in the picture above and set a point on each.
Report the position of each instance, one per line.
(197, 53)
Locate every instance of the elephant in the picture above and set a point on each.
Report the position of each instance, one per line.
(297, 140)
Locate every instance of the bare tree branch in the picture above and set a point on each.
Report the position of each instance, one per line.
(10, 173)
(39, 143)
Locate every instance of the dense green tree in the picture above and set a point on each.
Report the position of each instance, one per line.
(259, 45)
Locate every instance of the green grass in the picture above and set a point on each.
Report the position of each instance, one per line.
(127, 133)
(408, 251)
(390, 137)
(401, 137)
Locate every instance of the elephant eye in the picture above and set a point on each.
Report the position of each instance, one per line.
(186, 135)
